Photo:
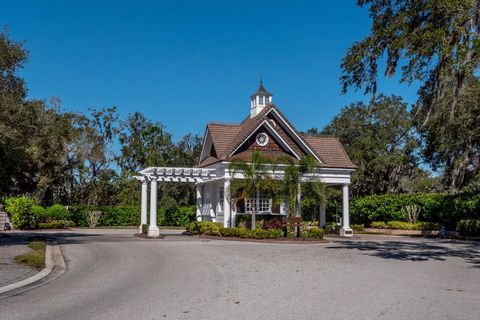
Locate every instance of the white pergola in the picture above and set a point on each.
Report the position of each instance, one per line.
(201, 176)
(165, 174)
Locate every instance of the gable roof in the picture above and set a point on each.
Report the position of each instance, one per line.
(227, 138)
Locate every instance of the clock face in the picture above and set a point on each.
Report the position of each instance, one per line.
(262, 139)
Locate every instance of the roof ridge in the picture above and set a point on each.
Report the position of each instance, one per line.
(220, 123)
(321, 135)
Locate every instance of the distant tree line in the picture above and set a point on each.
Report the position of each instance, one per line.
(59, 156)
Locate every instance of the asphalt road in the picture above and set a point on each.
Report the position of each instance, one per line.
(112, 275)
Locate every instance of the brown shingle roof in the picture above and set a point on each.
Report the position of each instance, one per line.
(330, 151)
(223, 136)
(228, 137)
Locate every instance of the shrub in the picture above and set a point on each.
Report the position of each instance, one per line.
(331, 228)
(179, 216)
(357, 227)
(378, 225)
(21, 212)
(111, 215)
(315, 232)
(210, 228)
(57, 212)
(40, 213)
(443, 208)
(144, 228)
(229, 232)
(402, 225)
(469, 228)
(204, 227)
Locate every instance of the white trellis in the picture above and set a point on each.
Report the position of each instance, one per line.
(165, 174)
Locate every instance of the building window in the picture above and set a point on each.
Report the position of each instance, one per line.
(220, 199)
(264, 204)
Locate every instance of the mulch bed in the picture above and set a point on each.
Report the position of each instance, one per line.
(279, 240)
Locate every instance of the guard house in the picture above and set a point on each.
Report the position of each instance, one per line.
(267, 130)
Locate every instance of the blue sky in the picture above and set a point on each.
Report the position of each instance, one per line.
(187, 63)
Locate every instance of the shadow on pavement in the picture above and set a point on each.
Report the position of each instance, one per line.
(417, 251)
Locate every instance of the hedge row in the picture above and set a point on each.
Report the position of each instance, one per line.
(130, 215)
(216, 229)
(402, 225)
(442, 208)
(25, 213)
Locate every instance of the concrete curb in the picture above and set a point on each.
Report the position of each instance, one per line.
(53, 261)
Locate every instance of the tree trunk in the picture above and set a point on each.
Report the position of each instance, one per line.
(254, 212)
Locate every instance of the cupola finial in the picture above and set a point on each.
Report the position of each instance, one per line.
(259, 99)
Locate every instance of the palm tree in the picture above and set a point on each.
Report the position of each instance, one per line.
(258, 176)
(292, 178)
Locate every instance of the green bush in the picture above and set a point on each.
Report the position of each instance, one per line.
(378, 225)
(210, 228)
(313, 232)
(216, 229)
(40, 213)
(57, 212)
(111, 215)
(229, 232)
(357, 227)
(204, 227)
(144, 228)
(443, 208)
(402, 225)
(469, 228)
(130, 215)
(21, 212)
(331, 228)
(179, 216)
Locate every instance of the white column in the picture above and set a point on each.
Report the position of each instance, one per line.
(153, 230)
(198, 213)
(299, 201)
(227, 213)
(346, 231)
(144, 207)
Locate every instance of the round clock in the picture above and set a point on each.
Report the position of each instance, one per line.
(262, 139)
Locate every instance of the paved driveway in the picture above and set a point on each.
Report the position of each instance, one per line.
(112, 275)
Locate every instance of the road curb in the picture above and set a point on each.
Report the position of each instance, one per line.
(53, 261)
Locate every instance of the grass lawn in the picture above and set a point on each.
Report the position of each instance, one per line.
(36, 257)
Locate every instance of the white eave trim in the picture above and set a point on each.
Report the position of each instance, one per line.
(298, 138)
(203, 146)
(271, 130)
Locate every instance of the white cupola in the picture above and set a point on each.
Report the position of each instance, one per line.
(259, 100)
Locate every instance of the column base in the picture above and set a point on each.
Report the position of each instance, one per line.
(140, 230)
(153, 231)
(346, 232)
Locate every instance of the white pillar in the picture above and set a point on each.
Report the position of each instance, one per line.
(346, 231)
(144, 206)
(153, 230)
(299, 201)
(199, 210)
(227, 213)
